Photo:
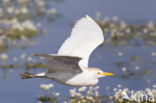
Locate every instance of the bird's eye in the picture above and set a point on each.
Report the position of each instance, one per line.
(98, 73)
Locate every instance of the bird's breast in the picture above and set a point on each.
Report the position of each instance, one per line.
(82, 79)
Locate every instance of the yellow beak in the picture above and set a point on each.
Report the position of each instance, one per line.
(107, 74)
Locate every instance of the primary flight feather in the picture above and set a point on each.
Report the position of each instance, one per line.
(85, 37)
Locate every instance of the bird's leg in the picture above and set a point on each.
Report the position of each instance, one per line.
(29, 75)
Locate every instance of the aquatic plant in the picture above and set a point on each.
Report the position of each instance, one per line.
(92, 95)
(18, 20)
(118, 32)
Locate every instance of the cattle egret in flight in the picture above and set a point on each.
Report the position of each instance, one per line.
(70, 65)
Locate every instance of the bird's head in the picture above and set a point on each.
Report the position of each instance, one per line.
(99, 73)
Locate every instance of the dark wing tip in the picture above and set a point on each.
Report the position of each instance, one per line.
(47, 55)
(37, 54)
(40, 54)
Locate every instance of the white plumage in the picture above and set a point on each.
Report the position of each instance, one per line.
(85, 37)
(70, 65)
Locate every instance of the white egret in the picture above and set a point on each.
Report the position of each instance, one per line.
(70, 65)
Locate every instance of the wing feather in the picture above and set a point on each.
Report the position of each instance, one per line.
(61, 68)
(57, 63)
(85, 37)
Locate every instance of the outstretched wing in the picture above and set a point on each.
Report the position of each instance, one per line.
(61, 68)
(85, 37)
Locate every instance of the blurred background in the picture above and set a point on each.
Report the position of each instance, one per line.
(32, 26)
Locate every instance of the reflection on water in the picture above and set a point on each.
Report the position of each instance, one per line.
(128, 51)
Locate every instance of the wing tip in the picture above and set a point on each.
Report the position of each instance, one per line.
(88, 17)
(85, 17)
(40, 54)
(37, 54)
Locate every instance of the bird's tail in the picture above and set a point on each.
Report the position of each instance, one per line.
(27, 75)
